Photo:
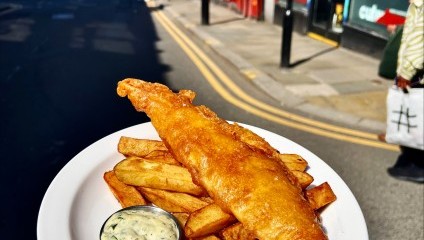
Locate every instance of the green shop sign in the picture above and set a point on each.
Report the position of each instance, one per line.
(365, 13)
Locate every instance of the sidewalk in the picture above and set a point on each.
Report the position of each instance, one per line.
(332, 83)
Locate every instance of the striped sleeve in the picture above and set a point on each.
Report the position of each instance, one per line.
(411, 53)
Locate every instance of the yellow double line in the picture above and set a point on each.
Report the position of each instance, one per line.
(211, 72)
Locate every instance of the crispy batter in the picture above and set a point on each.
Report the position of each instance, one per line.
(236, 232)
(253, 185)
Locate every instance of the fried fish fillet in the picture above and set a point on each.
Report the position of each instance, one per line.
(252, 184)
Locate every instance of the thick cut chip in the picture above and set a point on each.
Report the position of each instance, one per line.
(320, 196)
(181, 217)
(141, 147)
(304, 179)
(151, 174)
(145, 148)
(206, 221)
(173, 201)
(294, 162)
(126, 195)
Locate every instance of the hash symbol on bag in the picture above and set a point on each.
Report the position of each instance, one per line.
(407, 117)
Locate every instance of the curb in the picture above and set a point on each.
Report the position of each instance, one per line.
(271, 87)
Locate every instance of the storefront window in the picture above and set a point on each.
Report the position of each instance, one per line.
(298, 5)
(365, 13)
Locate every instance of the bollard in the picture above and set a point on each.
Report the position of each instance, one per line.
(205, 12)
(287, 34)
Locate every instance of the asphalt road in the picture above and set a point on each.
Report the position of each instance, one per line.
(59, 65)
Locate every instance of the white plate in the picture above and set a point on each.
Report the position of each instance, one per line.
(78, 201)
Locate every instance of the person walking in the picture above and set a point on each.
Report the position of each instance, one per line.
(410, 68)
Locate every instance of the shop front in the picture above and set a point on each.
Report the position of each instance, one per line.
(322, 18)
(326, 18)
(248, 8)
(353, 24)
(362, 29)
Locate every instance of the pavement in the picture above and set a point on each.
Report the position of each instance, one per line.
(329, 82)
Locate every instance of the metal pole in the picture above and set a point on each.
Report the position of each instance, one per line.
(205, 12)
(287, 34)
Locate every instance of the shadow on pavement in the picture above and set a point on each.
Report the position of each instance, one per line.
(227, 21)
(302, 61)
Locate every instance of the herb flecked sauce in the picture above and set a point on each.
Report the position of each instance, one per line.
(141, 225)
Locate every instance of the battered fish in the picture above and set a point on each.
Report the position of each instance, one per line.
(250, 182)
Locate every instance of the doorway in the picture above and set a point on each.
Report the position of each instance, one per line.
(326, 18)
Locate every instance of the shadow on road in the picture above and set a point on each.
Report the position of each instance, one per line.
(60, 63)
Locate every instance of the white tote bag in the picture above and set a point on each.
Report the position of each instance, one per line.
(405, 117)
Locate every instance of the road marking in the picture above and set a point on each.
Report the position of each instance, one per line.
(234, 88)
(240, 93)
(206, 65)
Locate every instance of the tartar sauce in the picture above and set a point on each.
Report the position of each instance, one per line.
(141, 225)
